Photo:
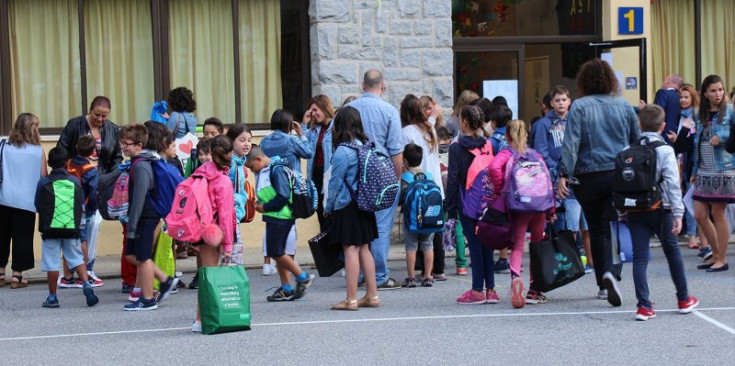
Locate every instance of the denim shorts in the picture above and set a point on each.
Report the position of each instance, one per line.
(574, 216)
(51, 250)
(290, 242)
(414, 241)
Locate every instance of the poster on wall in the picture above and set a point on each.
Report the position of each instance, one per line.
(505, 88)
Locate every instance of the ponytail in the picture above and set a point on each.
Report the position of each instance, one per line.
(221, 149)
(474, 117)
(517, 134)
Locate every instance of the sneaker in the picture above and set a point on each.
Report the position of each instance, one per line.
(142, 305)
(705, 253)
(440, 277)
(409, 282)
(281, 295)
(269, 269)
(502, 266)
(390, 284)
(194, 284)
(69, 282)
(175, 290)
(92, 299)
(427, 282)
(51, 303)
(535, 297)
(613, 292)
(602, 295)
(588, 269)
(126, 288)
(461, 271)
(644, 313)
(686, 307)
(94, 280)
(302, 286)
(492, 296)
(472, 297)
(516, 297)
(165, 288)
(135, 294)
(196, 327)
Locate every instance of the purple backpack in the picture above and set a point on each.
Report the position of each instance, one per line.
(478, 187)
(530, 190)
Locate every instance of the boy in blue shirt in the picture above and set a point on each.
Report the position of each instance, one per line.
(58, 202)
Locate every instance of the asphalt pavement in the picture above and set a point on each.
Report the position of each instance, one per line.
(421, 326)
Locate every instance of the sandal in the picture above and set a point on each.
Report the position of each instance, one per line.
(18, 282)
(350, 305)
(369, 302)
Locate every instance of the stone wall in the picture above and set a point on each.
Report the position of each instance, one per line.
(409, 40)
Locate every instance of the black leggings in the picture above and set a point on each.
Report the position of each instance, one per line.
(17, 226)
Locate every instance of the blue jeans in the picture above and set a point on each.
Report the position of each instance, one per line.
(642, 225)
(380, 246)
(483, 274)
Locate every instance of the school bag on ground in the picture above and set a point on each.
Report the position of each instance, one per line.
(478, 187)
(303, 202)
(530, 190)
(60, 207)
(423, 208)
(635, 187)
(191, 213)
(105, 190)
(377, 184)
(224, 299)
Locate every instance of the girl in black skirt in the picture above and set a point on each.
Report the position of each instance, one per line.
(350, 227)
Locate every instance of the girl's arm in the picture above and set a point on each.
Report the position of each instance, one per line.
(224, 196)
(44, 166)
(302, 147)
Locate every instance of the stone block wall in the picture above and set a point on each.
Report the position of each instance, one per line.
(410, 41)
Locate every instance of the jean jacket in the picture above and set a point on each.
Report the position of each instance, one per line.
(289, 148)
(723, 159)
(312, 134)
(598, 128)
(344, 170)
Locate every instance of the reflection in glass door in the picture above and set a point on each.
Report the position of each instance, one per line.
(492, 73)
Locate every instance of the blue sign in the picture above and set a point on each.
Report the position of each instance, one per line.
(631, 83)
(630, 20)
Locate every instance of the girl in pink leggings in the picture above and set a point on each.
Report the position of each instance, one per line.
(516, 135)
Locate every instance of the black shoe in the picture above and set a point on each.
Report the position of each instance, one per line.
(611, 285)
(194, 284)
(166, 288)
(92, 299)
(281, 295)
(705, 266)
(302, 286)
(722, 268)
(502, 266)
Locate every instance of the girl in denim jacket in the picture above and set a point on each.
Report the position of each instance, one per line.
(350, 227)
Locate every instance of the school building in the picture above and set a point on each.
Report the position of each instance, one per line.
(245, 58)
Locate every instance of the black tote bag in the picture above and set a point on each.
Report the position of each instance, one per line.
(555, 261)
(327, 256)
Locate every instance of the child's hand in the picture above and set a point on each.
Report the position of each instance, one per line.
(562, 191)
(672, 136)
(259, 208)
(677, 226)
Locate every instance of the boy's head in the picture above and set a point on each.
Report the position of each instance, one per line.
(132, 139)
(156, 137)
(57, 158)
(651, 118)
(560, 100)
(443, 135)
(204, 150)
(213, 126)
(257, 159)
(412, 155)
(501, 115)
(86, 146)
(281, 120)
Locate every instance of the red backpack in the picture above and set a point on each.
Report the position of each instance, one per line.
(191, 218)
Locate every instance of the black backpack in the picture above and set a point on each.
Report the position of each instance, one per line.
(60, 207)
(635, 187)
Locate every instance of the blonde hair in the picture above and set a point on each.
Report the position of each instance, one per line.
(516, 133)
(25, 131)
(464, 99)
(425, 101)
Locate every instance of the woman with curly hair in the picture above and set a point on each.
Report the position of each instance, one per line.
(182, 119)
(600, 124)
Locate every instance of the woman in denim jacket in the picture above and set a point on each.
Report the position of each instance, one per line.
(713, 174)
(350, 227)
(600, 124)
(318, 122)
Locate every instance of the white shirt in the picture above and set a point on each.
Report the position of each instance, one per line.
(430, 161)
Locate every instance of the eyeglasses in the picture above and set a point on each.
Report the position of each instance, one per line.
(125, 145)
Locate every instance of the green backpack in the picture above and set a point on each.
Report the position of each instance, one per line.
(60, 207)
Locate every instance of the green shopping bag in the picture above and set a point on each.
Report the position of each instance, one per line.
(224, 299)
(164, 257)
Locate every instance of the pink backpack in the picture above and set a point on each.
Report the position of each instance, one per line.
(478, 187)
(117, 205)
(191, 218)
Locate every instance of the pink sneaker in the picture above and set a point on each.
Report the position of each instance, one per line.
(492, 296)
(472, 297)
(686, 307)
(516, 298)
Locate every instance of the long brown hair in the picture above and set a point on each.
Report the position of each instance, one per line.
(221, 149)
(426, 100)
(413, 114)
(25, 130)
(347, 127)
(322, 102)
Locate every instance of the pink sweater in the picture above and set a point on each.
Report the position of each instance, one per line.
(221, 195)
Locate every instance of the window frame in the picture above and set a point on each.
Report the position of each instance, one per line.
(161, 61)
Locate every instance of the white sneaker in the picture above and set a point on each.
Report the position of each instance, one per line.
(269, 269)
(196, 327)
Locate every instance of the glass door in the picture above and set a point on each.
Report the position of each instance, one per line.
(628, 60)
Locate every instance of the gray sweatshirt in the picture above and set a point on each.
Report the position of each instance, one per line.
(142, 181)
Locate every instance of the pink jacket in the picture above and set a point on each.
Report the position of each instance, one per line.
(221, 195)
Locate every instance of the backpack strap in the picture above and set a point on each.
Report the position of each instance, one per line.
(2, 149)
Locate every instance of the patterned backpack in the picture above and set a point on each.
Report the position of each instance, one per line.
(423, 208)
(530, 188)
(377, 184)
(478, 187)
(60, 207)
(117, 205)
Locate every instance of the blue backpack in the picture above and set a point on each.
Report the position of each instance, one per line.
(377, 185)
(167, 178)
(423, 206)
(304, 197)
